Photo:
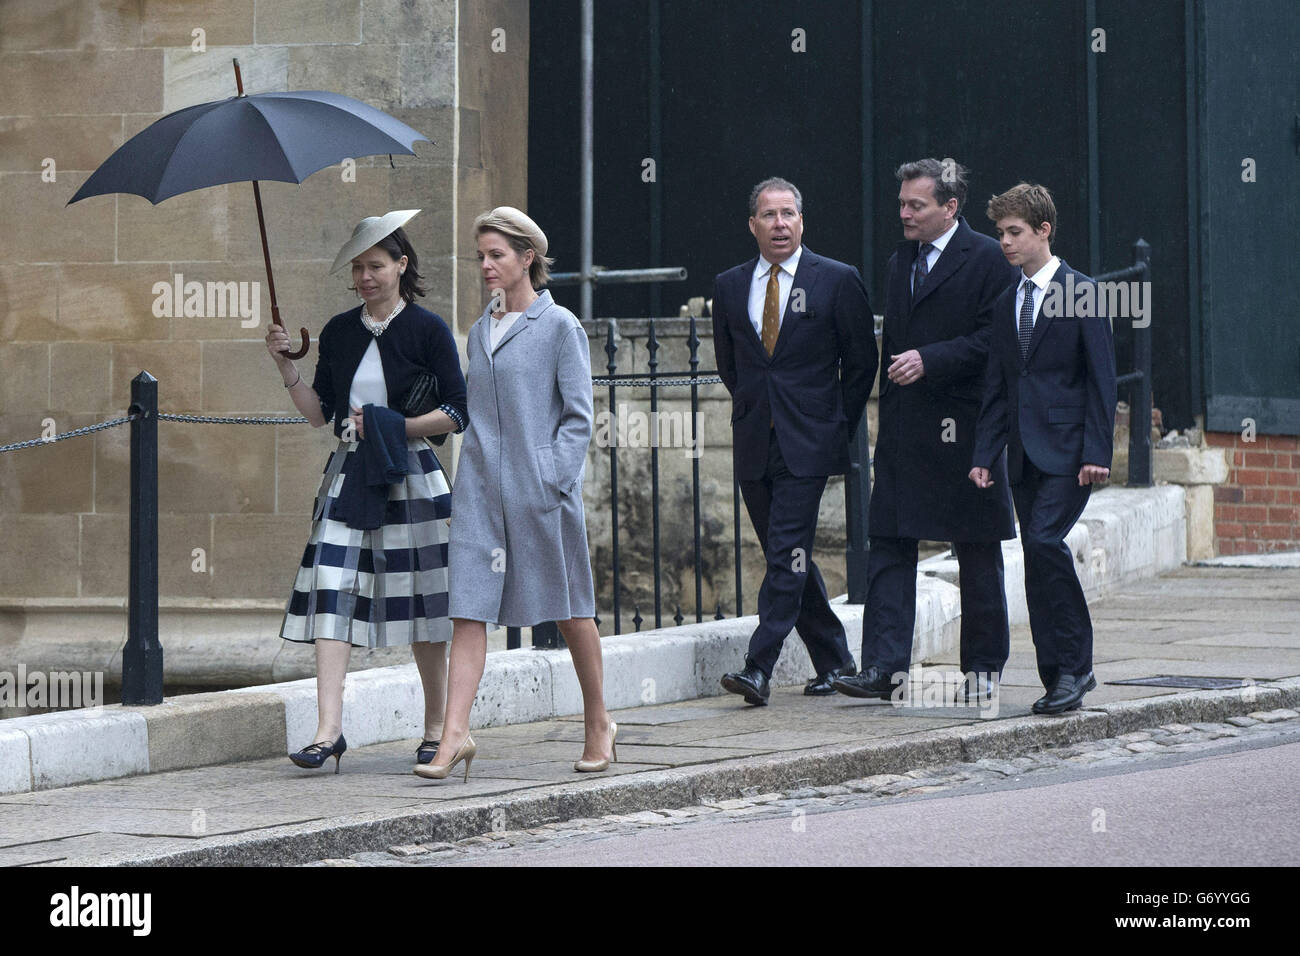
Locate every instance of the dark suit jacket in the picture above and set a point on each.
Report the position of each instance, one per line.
(1058, 407)
(927, 429)
(815, 385)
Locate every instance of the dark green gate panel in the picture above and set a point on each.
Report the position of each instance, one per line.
(1250, 231)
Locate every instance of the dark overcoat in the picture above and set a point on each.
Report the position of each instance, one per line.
(927, 429)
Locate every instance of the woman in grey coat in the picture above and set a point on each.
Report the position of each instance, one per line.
(518, 545)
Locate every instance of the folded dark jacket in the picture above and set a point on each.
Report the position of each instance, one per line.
(379, 461)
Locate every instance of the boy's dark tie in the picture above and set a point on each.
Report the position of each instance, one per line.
(1027, 320)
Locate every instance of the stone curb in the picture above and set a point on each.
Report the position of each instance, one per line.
(728, 779)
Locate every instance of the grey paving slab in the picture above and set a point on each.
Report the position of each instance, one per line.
(665, 713)
(770, 740)
(1128, 668)
(1282, 638)
(87, 848)
(555, 771)
(1286, 658)
(679, 756)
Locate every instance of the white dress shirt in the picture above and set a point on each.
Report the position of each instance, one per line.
(758, 289)
(933, 255)
(1040, 280)
(368, 385)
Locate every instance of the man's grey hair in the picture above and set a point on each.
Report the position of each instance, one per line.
(774, 182)
(950, 178)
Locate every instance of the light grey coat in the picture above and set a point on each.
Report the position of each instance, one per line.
(518, 549)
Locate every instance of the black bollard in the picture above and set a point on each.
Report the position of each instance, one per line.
(142, 658)
(857, 493)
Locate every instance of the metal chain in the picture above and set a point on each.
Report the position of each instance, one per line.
(76, 432)
(299, 420)
(645, 382)
(217, 420)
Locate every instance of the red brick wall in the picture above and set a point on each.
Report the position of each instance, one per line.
(1258, 508)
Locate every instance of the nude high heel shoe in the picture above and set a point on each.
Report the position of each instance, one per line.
(596, 766)
(466, 752)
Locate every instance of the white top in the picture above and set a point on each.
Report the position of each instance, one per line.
(368, 385)
(1040, 280)
(933, 255)
(758, 289)
(498, 329)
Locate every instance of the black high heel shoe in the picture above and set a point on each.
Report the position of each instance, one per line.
(427, 750)
(312, 756)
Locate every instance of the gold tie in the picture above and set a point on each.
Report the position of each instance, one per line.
(772, 310)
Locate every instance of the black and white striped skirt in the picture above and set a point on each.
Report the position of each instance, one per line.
(384, 587)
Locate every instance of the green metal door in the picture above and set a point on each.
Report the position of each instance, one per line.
(1249, 116)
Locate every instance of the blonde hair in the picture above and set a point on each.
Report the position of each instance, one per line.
(521, 241)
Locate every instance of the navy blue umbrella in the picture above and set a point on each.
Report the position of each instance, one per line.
(277, 136)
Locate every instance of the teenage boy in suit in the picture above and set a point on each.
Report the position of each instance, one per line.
(1049, 399)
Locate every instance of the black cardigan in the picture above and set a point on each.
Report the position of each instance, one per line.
(416, 340)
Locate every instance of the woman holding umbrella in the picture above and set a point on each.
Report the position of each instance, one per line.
(376, 576)
(519, 544)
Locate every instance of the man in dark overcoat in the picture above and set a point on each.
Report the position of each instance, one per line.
(942, 282)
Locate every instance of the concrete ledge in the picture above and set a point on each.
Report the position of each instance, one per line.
(15, 762)
(80, 745)
(689, 786)
(182, 732)
(1190, 466)
(1124, 535)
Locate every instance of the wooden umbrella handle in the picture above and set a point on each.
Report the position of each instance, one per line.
(266, 250)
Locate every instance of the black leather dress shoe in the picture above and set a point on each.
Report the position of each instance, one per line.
(1066, 694)
(751, 683)
(976, 689)
(820, 686)
(872, 682)
(427, 750)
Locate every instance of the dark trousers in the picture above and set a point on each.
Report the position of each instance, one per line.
(1047, 506)
(890, 614)
(783, 508)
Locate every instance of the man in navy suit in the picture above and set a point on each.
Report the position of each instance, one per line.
(943, 280)
(795, 344)
(1049, 400)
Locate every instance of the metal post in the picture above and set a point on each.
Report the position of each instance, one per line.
(1139, 424)
(142, 658)
(587, 186)
(611, 350)
(694, 342)
(857, 493)
(652, 347)
(547, 636)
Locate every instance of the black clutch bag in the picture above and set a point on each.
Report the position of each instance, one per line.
(422, 397)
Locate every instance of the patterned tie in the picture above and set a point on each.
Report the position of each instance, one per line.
(772, 310)
(921, 268)
(1027, 320)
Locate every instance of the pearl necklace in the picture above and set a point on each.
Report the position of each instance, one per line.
(378, 328)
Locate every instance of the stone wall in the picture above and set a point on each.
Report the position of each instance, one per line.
(77, 299)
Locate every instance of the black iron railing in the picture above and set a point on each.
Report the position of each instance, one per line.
(1139, 379)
